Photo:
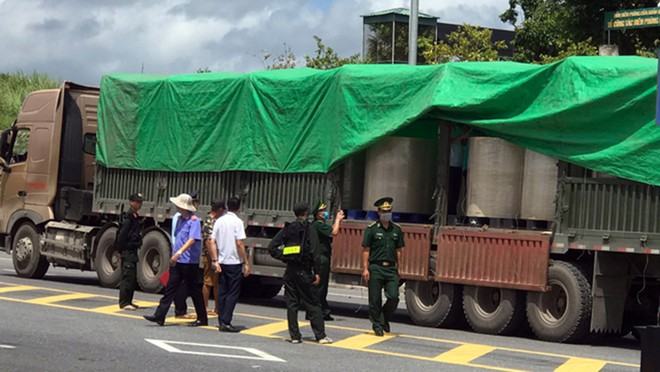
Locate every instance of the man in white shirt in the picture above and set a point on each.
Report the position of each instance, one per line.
(229, 256)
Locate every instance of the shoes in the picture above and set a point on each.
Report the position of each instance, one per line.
(228, 328)
(129, 308)
(211, 313)
(295, 341)
(186, 316)
(379, 332)
(135, 306)
(328, 318)
(151, 318)
(198, 323)
(386, 327)
(325, 341)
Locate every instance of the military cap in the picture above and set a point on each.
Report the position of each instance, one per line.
(384, 204)
(194, 195)
(320, 206)
(137, 197)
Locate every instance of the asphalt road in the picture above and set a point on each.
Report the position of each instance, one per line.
(66, 322)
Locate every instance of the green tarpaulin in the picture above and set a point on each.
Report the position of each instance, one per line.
(597, 112)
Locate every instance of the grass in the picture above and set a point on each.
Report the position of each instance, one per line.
(13, 89)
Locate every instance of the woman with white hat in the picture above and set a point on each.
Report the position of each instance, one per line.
(185, 263)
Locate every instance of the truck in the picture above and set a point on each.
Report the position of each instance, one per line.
(590, 265)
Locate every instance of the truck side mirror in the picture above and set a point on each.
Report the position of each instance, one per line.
(89, 144)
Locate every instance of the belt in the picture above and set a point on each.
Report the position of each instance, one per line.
(383, 263)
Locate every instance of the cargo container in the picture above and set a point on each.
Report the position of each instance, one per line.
(593, 267)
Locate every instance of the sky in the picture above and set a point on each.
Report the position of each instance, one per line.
(80, 40)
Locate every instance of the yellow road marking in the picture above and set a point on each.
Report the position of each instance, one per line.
(574, 363)
(464, 353)
(110, 309)
(581, 365)
(362, 341)
(17, 288)
(59, 298)
(269, 330)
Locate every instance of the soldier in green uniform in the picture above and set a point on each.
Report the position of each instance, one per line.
(325, 233)
(381, 250)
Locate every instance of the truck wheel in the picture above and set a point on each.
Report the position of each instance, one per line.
(562, 314)
(434, 304)
(154, 261)
(495, 311)
(26, 253)
(254, 288)
(107, 260)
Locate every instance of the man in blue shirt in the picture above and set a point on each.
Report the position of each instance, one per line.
(184, 263)
(180, 305)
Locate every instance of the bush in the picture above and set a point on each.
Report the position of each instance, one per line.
(13, 89)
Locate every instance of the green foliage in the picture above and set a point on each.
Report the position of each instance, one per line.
(379, 42)
(286, 59)
(326, 58)
(14, 88)
(467, 43)
(203, 70)
(547, 30)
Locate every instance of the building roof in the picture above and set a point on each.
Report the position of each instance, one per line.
(397, 11)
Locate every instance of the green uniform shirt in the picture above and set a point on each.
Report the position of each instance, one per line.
(324, 232)
(383, 243)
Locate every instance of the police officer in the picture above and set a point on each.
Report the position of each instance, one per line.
(325, 232)
(129, 240)
(298, 241)
(381, 251)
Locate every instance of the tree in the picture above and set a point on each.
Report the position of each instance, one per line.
(203, 70)
(14, 88)
(467, 43)
(326, 58)
(551, 29)
(284, 60)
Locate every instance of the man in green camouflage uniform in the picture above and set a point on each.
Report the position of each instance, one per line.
(325, 234)
(381, 250)
(208, 260)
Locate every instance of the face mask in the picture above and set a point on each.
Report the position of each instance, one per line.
(386, 217)
(326, 215)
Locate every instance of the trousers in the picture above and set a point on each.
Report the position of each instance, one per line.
(182, 275)
(300, 292)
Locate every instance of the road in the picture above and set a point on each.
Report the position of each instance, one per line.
(66, 322)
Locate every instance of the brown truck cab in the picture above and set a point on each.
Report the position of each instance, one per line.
(44, 168)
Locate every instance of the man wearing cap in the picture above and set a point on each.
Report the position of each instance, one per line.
(129, 240)
(381, 251)
(184, 263)
(302, 274)
(325, 232)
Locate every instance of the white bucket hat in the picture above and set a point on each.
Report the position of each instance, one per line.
(184, 201)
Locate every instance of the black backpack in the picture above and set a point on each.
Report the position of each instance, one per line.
(292, 243)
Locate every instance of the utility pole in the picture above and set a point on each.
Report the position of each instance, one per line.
(412, 32)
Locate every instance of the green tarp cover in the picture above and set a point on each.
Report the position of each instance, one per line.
(596, 112)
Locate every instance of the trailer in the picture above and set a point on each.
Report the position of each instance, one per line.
(586, 262)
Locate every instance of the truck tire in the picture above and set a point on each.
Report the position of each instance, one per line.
(26, 252)
(562, 314)
(495, 311)
(434, 304)
(107, 259)
(254, 288)
(154, 261)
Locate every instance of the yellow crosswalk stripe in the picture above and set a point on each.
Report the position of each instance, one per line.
(464, 353)
(268, 330)
(362, 341)
(17, 288)
(581, 365)
(110, 309)
(59, 298)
